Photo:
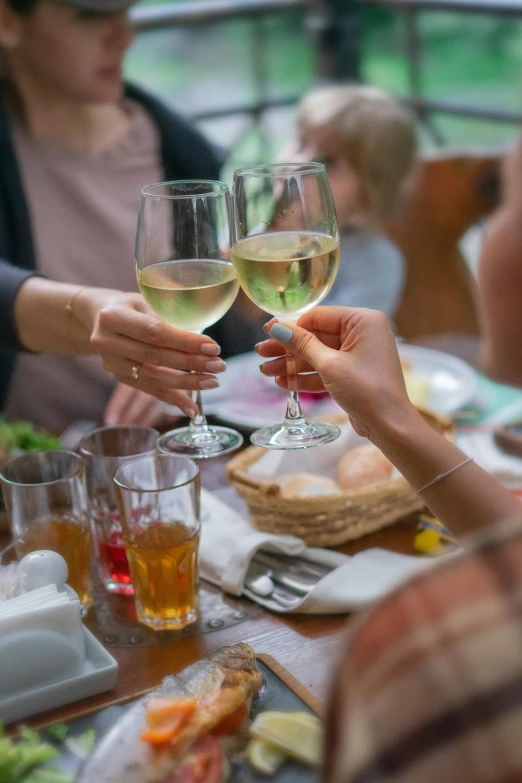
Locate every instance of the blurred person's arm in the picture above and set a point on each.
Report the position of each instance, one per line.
(500, 281)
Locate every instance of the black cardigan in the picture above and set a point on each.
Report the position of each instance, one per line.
(185, 154)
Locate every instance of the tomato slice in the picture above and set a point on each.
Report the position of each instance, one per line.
(165, 717)
(204, 763)
(230, 723)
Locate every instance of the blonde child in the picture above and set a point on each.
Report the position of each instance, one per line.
(368, 144)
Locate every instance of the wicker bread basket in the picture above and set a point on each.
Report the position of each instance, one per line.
(326, 520)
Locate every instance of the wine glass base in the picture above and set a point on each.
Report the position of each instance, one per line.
(302, 436)
(214, 442)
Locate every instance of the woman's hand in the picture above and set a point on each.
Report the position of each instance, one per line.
(127, 335)
(350, 353)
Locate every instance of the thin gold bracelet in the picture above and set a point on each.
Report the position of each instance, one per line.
(69, 311)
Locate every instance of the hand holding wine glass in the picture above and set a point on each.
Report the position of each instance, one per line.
(349, 352)
(186, 277)
(285, 248)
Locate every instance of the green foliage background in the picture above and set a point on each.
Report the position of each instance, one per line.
(468, 58)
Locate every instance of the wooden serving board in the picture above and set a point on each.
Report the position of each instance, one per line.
(281, 691)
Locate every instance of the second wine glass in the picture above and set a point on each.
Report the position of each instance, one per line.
(285, 247)
(186, 277)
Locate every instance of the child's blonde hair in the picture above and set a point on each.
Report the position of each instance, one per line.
(378, 138)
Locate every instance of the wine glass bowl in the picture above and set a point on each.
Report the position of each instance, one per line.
(291, 286)
(285, 248)
(185, 275)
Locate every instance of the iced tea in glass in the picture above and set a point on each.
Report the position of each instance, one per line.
(160, 500)
(46, 501)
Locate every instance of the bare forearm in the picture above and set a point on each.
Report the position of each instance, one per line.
(43, 321)
(465, 500)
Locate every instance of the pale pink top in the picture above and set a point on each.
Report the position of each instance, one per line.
(83, 212)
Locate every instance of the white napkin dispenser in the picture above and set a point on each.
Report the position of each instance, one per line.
(36, 658)
(47, 657)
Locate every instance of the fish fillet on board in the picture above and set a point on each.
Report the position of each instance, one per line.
(220, 684)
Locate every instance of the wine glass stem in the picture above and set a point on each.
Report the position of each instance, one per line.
(198, 423)
(294, 415)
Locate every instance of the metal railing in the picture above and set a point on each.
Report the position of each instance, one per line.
(204, 12)
(422, 106)
(194, 12)
(512, 8)
(324, 19)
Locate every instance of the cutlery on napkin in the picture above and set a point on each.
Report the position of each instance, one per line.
(233, 556)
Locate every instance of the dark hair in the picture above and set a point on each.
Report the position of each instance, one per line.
(22, 6)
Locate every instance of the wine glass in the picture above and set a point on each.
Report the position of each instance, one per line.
(186, 277)
(285, 248)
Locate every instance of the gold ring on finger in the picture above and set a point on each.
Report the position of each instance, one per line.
(136, 372)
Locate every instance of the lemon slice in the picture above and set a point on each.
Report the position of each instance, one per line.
(307, 717)
(264, 757)
(298, 734)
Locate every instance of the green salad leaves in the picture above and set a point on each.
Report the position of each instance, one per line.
(24, 758)
(22, 435)
(20, 758)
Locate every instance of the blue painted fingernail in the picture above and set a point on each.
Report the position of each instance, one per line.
(281, 333)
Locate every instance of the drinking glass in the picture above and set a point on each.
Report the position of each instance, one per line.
(46, 501)
(285, 248)
(103, 451)
(185, 275)
(160, 508)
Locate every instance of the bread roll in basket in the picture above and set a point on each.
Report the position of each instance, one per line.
(332, 519)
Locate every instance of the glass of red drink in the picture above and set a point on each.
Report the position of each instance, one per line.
(104, 450)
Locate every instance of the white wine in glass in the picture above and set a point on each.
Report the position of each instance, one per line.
(185, 276)
(288, 272)
(191, 294)
(285, 248)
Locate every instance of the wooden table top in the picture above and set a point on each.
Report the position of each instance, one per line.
(305, 645)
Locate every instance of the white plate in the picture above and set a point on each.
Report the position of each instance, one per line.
(247, 398)
(452, 382)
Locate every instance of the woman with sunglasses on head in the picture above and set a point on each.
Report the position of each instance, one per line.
(77, 147)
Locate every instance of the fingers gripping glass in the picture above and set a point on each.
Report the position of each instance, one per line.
(185, 275)
(285, 248)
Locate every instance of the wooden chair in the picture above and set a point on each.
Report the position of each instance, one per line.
(451, 192)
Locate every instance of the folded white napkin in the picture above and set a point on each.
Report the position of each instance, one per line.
(228, 543)
(482, 447)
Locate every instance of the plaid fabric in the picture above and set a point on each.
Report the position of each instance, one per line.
(430, 690)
